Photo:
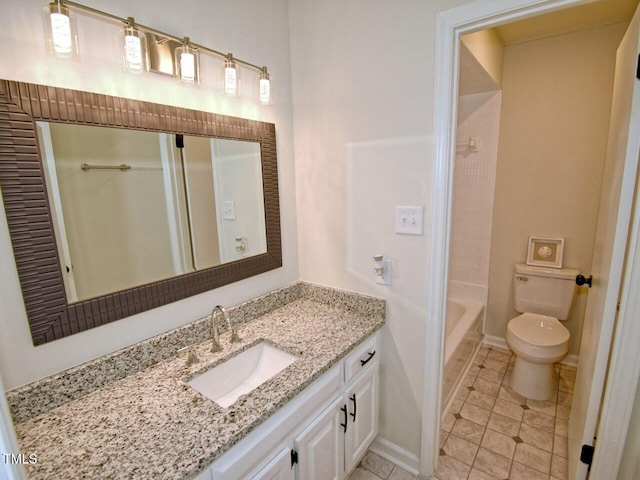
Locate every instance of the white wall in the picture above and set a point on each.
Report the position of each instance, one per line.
(630, 462)
(473, 187)
(363, 79)
(238, 178)
(254, 30)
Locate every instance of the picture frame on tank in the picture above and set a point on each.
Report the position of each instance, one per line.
(545, 252)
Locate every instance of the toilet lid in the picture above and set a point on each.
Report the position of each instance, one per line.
(539, 329)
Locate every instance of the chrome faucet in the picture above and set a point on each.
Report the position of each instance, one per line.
(215, 336)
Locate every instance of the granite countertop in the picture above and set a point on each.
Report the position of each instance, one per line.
(150, 424)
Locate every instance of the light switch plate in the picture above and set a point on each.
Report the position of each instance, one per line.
(229, 210)
(410, 220)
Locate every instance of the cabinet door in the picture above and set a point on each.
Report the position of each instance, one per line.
(279, 468)
(320, 446)
(361, 398)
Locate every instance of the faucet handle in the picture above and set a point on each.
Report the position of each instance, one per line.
(235, 338)
(191, 356)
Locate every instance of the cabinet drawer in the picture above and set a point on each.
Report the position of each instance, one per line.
(363, 356)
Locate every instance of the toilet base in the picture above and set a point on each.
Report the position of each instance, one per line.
(531, 380)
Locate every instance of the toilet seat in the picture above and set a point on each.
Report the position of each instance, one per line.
(538, 338)
(538, 330)
(538, 342)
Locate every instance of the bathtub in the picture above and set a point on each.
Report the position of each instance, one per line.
(463, 336)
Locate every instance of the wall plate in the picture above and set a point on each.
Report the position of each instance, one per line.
(229, 210)
(410, 220)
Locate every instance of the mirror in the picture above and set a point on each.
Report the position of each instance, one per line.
(194, 207)
(132, 207)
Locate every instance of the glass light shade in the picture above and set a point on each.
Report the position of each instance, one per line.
(134, 49)
(187, 62)
(265, 88)
(231, 78)
(60, 30)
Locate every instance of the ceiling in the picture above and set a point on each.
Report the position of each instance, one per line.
(594, 14)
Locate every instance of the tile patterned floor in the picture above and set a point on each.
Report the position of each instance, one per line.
(492, 433)
(374, 467)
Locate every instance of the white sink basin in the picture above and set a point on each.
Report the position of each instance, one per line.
(239, 375)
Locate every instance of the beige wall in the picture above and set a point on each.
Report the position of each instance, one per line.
(487, 48)
(202, 202)
(116, 222)
(553, 134)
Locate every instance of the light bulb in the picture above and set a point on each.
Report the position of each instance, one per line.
(230, 77)
(187, 67)
(187, 61)
(134, 48)
(60, 30)
(266, 97)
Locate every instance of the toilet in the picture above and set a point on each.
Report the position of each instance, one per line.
(544, 296)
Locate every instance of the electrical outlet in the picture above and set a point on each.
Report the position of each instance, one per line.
(229, 210)
(410, 220)
(385, 278)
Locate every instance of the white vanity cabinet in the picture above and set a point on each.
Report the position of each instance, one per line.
(362, 425)
(320, 446)
(320, 434)
(279, 468)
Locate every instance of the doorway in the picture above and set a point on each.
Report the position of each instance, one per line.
(451, 24)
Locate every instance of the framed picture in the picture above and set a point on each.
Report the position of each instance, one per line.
(545, 252)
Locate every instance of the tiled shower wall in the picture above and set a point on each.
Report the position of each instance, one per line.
(473, 191)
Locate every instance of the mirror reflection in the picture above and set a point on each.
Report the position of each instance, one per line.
(133, 207)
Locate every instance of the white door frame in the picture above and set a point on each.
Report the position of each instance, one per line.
(624, 363)
(450, 25)
(8, 442)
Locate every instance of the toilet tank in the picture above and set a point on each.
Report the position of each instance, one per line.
(547, 291)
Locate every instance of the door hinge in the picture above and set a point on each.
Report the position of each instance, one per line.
(586, 454)
(294, 458)
(638, 69)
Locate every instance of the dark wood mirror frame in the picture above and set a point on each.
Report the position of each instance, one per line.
(29, 217)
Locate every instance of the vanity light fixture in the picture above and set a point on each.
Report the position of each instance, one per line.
(60, 30)
(139, 49)
(187, 63)
(134, 48)
(231, 77)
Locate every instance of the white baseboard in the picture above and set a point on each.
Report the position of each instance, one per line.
(396, 455)
(492, 341)
(570, 360)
